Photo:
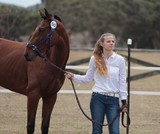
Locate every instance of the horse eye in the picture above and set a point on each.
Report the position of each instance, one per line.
(41, 29)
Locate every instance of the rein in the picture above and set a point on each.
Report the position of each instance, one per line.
(78, 102)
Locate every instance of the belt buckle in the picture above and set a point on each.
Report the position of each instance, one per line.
(110, 94)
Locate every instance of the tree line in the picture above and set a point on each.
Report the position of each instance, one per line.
(136, 19)
(17, 22)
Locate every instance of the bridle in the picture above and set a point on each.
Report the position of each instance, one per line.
(47, 40)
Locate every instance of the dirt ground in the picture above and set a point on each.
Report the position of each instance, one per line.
(67, 117)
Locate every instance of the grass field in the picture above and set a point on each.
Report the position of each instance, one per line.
(67, 117)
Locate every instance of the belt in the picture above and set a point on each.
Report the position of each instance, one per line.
(108, 94)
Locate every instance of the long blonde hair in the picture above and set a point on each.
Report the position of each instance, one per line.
(98, 55)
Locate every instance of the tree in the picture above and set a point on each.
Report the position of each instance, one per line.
(142, 23)
(137, 19)
(16, 22)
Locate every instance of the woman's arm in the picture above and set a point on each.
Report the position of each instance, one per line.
(88, 77)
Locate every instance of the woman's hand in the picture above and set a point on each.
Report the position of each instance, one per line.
(124, 106)
(69, 75)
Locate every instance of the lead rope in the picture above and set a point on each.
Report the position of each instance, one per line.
(86, 114)
(78, 102)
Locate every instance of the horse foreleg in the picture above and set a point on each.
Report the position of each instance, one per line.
(32, 105)
(48, 104)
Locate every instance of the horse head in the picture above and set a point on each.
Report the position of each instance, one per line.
(45, 36)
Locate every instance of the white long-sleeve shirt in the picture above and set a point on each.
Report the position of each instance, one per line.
(113, 82)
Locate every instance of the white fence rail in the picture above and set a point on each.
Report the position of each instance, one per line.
(133, 67)
(3, 90)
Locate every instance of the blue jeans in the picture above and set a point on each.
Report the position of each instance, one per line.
(101, 106)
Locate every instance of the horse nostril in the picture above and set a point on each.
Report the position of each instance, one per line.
(27, 57)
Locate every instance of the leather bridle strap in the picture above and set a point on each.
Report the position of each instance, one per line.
(46, 40)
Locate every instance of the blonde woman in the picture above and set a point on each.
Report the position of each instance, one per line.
(108, 70)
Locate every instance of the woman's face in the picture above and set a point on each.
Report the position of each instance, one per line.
(109, 43)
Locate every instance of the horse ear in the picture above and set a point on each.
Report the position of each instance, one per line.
(49, 16)
(57, 18)
(42, 14)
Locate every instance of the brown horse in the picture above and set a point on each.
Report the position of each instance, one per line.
(36, 79)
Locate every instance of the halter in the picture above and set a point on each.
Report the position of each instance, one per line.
(46, 39)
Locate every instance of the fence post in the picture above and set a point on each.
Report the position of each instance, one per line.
(129, 43)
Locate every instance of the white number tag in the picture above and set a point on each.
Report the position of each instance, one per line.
(53, 24)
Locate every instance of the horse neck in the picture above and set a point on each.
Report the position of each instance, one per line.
(59, 54)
